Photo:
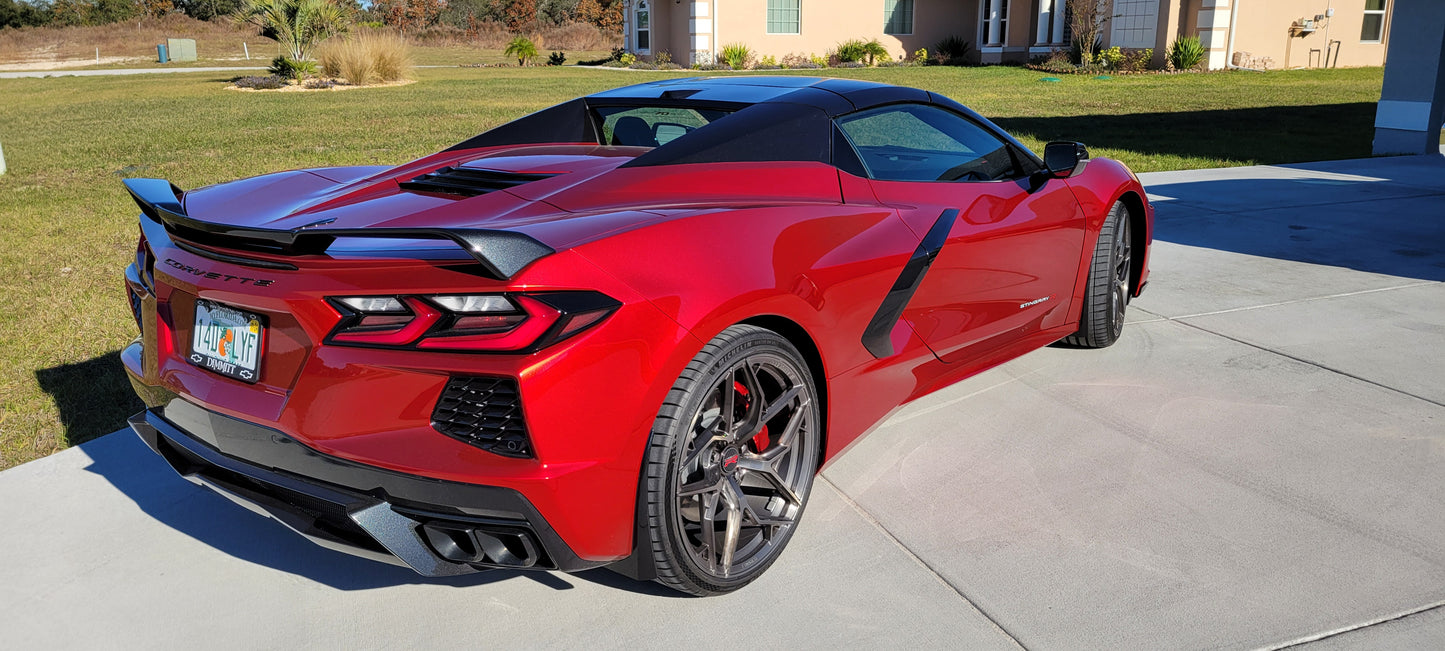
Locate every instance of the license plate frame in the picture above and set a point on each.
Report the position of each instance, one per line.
(228, 341)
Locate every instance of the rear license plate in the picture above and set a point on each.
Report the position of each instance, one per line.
(227, 341)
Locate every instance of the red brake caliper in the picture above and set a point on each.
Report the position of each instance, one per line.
(760, 440)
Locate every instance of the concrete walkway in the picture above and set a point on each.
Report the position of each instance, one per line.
(1259, 462)
(21, 74)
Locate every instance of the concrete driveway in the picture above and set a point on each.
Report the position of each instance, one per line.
(1259, 462)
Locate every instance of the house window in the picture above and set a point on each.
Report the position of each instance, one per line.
(995, 22)
(783, 16)
(1373, 30)
(644, 28)
(898, 17)
(1051, 22)
(1134, 24)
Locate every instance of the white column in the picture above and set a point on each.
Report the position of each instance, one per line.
(1045, 12)
(1412, 98)
(993, 23)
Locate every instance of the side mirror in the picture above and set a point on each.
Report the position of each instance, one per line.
(1064, 159)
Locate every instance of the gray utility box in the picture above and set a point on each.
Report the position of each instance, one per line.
(181, 49)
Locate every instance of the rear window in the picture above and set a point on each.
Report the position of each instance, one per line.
(651, 126)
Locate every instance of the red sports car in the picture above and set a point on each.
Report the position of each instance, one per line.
(625, 331)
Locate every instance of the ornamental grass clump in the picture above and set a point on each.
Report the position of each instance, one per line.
(366, 57)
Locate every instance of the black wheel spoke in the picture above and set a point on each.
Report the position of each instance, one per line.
(768, 471)
(777, 406)
(734, 499)
(698, 487)
(701, 444)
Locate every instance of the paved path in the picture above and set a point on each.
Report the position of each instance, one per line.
(118, 71)
(1259, 462)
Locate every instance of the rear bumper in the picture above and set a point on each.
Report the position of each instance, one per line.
(435, 527)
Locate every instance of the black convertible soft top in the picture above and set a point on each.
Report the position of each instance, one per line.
(773, 119)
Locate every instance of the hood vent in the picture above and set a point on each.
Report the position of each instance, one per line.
(469, 182)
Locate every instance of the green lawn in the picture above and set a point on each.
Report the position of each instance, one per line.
(69, 228)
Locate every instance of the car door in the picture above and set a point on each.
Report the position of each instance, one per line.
(1008, 264)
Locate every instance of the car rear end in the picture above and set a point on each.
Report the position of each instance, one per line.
(400, 401)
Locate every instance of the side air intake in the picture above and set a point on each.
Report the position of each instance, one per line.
(469, 182)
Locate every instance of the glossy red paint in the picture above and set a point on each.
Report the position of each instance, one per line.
(688, 250)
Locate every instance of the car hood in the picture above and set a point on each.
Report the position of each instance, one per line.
(559, 194)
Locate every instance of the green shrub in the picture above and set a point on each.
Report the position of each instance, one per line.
(952, 50)
(288, 68)
(737, 55)
(627, 59)
(1111, 58)
(876, 51)
(818, 61)
(768, 61)
(851, 51)
(1137, 60)
(921, 56)
(1186, 53)
(522, 49)
(557, 59)
(366, 57)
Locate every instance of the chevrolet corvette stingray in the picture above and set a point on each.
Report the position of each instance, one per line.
(624, 331)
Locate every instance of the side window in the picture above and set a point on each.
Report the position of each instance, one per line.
(651, 126)
(916, 142)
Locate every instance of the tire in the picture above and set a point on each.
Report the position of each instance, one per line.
(724, 495)
(1106, 295)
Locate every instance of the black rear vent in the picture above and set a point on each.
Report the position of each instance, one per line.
(469, 182)
(485, 412)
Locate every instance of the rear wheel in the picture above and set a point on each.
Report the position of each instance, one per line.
(730, 462)
(1107, 293)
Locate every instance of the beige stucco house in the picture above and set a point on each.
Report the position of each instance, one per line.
(1249, 33)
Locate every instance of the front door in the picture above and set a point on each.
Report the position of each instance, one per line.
(1008, 265)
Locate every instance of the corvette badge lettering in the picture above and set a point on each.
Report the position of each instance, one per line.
(255, 282)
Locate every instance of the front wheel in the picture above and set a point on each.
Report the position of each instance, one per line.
(730, 462)
(1107, 293)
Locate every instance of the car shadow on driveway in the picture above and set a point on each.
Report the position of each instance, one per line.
(142, 476)
(1374, 221)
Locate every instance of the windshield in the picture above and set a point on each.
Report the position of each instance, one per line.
(651, 126)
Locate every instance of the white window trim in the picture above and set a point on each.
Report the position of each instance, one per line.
(1381, 13)
(985, 25)
(1050, 29)
(637, 29)
(912, 20)
(768, 29)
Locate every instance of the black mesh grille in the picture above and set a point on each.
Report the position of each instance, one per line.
(469, 182)
(485, 412)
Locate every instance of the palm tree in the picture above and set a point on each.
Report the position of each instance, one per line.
(523, 48)
(298, 25)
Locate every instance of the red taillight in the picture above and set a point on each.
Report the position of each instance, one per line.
(470, 323)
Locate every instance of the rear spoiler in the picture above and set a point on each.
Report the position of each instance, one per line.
(501, 253)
